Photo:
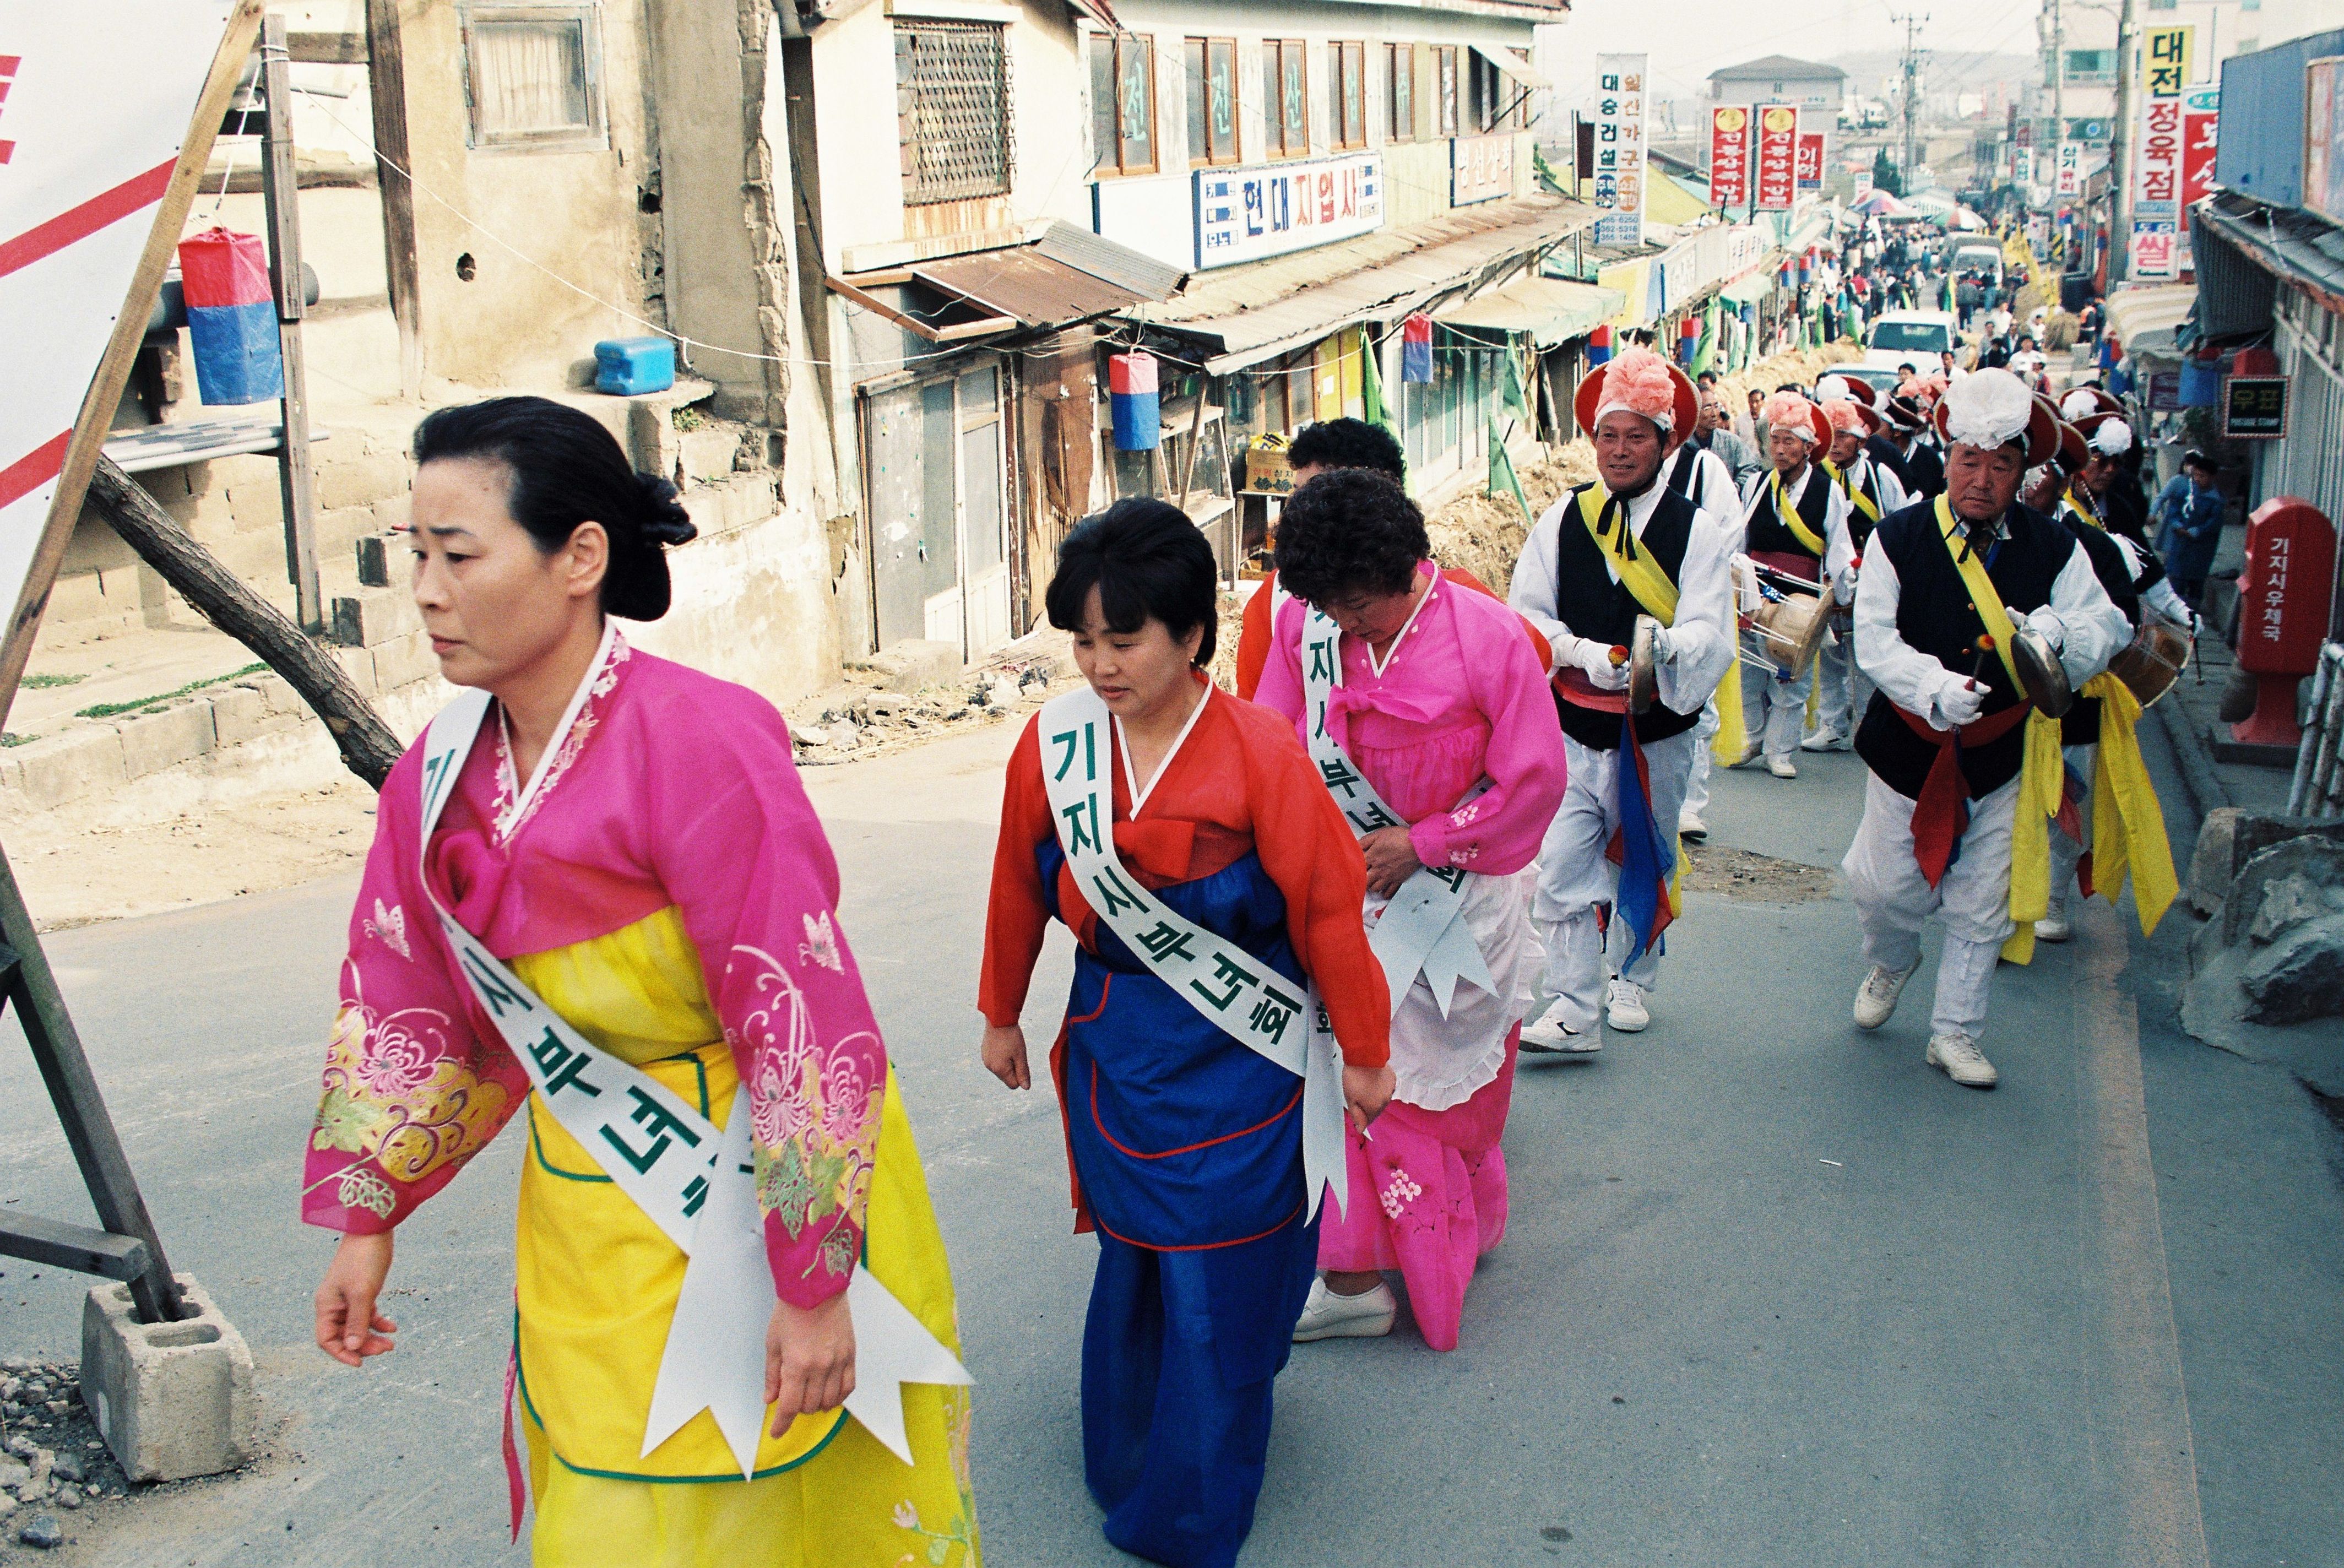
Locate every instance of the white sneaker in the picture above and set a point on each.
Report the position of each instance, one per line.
(1550, 1035)
(1783, 767)
(1876, 999)
(1327, 1316)
(1624, 1006)
(1825, 739)
(1958, 1058)
(1690, 826)
(2054, 927)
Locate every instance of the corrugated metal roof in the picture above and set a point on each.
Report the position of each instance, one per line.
(2299, 246)
(2259, 148)
(1246, 314)
(1773, 66)
(1551, 310)
(1118, 264)
(1020, 281)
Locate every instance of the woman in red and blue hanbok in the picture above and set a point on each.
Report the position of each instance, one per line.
(1186, 1143)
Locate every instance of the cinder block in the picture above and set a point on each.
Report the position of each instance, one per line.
(153, 741)
(378, 555)
(241, 713)
(77, 761)
(360, 481)
(708, 452)
(171, 1399)
(373, 615)
(909, 665)
(405, 660)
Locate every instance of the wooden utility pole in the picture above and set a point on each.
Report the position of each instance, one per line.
(2120, 147)
(296, 483)
(387, 94)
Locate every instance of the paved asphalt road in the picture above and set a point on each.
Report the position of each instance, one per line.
(1773, 1293)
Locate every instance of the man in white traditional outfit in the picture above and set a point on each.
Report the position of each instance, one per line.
(1951, 742)
(1794, 530)
(1622, 547)
(1871, 492)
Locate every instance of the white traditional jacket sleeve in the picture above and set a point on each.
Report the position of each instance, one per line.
(1892, 489)
(2088, 626)
(1531, 592)
(2158, 596)
(1703, 637)
(1839, 547)
(1911, 679)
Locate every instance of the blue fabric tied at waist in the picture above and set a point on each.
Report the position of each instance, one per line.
(1184, 1136)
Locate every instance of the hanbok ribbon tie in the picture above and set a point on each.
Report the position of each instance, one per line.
(694, 1181)
(2042, 770)
(2127, 825)
(1857, 496)
(1788, 515)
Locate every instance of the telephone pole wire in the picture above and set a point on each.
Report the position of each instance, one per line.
(1913, 24)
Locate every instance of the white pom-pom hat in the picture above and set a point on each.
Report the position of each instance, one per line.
(1995, 409)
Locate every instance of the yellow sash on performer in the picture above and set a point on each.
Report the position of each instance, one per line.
(1856, 498)
(2042, 773)
(1789, 519)
(1644, 579)
(2127, 825)
(2076, 504)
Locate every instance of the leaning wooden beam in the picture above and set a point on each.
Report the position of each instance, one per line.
(368, 745)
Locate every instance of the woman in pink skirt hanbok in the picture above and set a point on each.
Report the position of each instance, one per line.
(1425, 706)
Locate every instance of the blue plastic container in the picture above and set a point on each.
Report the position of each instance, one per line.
(237, 353)
(627, 367)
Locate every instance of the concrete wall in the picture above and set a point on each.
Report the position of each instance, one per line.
(576, 215)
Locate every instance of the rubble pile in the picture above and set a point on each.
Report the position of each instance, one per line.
(52, 1458)
(846, 724)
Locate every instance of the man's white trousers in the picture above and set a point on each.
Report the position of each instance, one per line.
(1575, 878)
(1892, 899)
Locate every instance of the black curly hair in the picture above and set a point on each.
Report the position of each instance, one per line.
(1148, 561)
(1348, 443)
(1350, 530)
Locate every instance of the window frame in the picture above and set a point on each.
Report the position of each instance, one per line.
(595, 135)
(1448, 105)
(1400, 92)
(1346, 94)
(1276, 54)
(1109, 163)
(907, 114)
(1201, 85)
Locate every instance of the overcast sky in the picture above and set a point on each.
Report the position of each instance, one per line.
(1687, 39)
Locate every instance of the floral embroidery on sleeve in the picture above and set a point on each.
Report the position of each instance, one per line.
(816, 1113)
(394, 1096)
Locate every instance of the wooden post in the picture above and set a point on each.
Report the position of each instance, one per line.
(105, 392)
(296, 483)
(386, 93)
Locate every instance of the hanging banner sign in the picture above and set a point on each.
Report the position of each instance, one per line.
(1808, 160)
(2021, 166)
(2201, 119)
(1619, 120)
(1246, 214)
(1777, 157)
(2156, 187)
(1729, 155)
(84, 174)
(2071, 168)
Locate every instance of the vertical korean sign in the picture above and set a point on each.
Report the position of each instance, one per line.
(2071, 168)
(1777, 156)
(1808, 160)
(1729, 155)
(2157, 190)
(82, 174)
(1619, 148)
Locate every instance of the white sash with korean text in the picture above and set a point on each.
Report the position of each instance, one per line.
(1234, 990)
(1423, 930)
(694, 1181)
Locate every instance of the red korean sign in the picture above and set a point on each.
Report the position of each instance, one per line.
(2283, 592)
(2160, 155)
(1729, 155)
(1777, 157)
(2201, 115)
(1809, 160)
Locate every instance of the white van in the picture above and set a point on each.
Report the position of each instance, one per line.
(1981, 257)
(1913, 338)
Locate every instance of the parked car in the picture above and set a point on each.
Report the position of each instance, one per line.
(1979, 256)
(1909, 337)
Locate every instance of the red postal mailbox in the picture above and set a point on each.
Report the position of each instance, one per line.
(2283, 595)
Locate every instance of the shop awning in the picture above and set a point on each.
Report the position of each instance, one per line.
(1749, 290)
(1513, 64)
(2144, 320)
(1548, 308)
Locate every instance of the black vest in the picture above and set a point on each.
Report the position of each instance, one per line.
(2081, 727)
(1764, 531)
(1859, 525)
(1592, 606)
(1936, 616)
(1686, 472)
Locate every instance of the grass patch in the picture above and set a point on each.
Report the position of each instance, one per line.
(45, 683)
(13, 739)
(144, 704)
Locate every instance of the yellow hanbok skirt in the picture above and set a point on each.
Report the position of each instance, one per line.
(597, 1286)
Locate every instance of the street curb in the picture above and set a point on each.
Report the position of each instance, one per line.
(2207, 791)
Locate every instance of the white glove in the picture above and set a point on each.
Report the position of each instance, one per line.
(1594, 660)
(2054, 631)
(1844, 590)
(1664, 647)
(1960, 700)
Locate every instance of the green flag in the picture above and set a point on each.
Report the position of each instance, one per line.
(1514, 398)
(1371, 401)
(1545, 172)
(1503, 481)
(1706, 354)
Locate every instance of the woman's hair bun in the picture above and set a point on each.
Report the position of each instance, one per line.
(664, 520)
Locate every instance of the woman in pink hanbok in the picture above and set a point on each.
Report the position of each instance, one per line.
(1440, 742)
(599, 898)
